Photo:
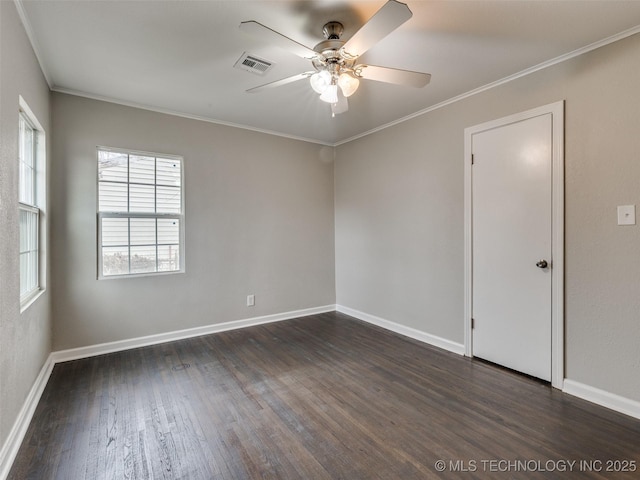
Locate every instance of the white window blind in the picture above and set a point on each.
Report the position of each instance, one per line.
(26, 153)
(28, 211)
(140, 213)
(29, 220)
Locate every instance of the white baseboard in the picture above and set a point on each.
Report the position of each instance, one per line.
(14, 440)
(404, 330)
(16, 435)
(18, 431)
(602, 398)
(120, 345)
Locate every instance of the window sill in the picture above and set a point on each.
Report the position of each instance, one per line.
(138, 275)
(31, 299)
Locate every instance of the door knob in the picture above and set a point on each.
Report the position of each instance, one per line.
(542, 264)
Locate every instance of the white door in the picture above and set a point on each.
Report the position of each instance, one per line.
(511, 245)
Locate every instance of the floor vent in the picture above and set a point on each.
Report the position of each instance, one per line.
(253, 64)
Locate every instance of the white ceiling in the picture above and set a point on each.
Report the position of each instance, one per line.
(178, 56)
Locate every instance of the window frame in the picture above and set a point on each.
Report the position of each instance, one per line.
(38, 190)
(141, 215)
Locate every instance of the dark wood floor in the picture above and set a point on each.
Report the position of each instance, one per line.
(322, 397)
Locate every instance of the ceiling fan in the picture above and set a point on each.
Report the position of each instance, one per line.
(336, 73)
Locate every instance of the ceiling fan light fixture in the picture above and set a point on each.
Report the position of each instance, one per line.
(330, 95)
(337, 75)
(320, 81)
(348, 84)
(341, 106)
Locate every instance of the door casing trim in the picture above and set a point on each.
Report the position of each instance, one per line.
(557, 230)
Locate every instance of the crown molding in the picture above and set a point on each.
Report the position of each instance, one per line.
(523, 73)
(541, 66)
(176, 113)
(32, 39)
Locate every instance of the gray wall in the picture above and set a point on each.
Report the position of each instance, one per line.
(259, 220)
(399, 213)
(25, 339)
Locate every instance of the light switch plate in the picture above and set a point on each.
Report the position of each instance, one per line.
(626, 214)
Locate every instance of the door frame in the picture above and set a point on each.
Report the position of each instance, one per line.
(557, 230)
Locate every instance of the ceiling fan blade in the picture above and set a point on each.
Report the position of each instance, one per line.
(272, 37)
(393, 75)
(277, 83)
(384, 21)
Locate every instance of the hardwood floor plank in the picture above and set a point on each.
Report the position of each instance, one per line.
(321, 397)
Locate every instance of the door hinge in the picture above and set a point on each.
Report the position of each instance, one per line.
(473, 159)
(473, 323)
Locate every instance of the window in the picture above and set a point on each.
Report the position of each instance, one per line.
(140, 213)
(31, 197)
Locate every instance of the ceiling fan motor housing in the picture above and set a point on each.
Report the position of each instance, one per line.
(332, 30)
(330, 55)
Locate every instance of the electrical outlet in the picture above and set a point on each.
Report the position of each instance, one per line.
(626, 215)
(251, 300)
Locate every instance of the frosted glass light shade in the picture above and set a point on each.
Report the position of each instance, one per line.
(341, 106)
(320, 81)
(348, 84)
(330, 95)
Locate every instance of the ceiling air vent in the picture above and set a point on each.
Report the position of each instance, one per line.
(253, 64)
